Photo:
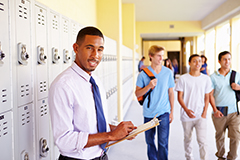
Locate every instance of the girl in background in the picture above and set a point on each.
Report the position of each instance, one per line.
(204, 69)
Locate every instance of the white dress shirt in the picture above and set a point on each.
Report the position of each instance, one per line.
(73, 114)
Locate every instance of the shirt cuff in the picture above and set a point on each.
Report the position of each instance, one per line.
(82, 141)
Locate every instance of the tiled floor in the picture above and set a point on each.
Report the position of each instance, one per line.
(136, 149)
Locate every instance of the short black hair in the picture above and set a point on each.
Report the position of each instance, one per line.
(93, 31)
(191, 57)
(222, 54)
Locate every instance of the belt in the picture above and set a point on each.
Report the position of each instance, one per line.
(102, 157)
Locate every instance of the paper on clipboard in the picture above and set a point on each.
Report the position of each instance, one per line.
(142, 128)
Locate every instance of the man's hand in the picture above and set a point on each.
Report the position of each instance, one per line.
(122, 130)
(218, 114)
(190, 113)
(152, 83)
(235, 86)
(171, 117)
(204, 115)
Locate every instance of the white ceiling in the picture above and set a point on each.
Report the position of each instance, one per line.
(173, 10)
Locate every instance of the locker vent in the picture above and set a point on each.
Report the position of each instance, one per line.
(55, 23)
(109, 58)
(74, 30)
(43, 86)
(65, 27)
(25, 91)
(41, 18)
(4, 95)
(3, 126)
(43, 110)
(1, 6)
(25, 116)
(127, 58)
(22, 11)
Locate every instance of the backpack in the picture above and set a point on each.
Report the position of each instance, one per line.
(237, 93)
(142, 98)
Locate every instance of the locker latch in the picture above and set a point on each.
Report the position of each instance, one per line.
(43, 147)
(66, 56)
(25, 155)
(41, 55)
(55, 55)
(2, 55)
(22, 54)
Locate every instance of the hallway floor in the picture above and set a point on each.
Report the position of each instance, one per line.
(137, 148)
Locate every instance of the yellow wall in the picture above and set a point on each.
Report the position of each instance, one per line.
(128, 25)
(163, 27)
(81, 11)
(168, 45)
(109, 18)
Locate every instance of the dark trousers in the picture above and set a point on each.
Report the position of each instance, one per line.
(103, 157)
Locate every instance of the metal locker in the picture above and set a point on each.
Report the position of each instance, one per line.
(43, 125)
(55, 63)
(75, 28)
(55, 58)
(25, 137)
(6, 132)
(23, 56)
(41, 52)
(65, 46)
(5, 85)
(41, 81)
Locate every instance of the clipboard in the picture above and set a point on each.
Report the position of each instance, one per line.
(142, 128)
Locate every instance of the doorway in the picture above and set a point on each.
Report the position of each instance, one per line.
(175, 55)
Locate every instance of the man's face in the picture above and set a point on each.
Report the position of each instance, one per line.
(196, 63)
(89, 53)
(158, 57)
(225, 61)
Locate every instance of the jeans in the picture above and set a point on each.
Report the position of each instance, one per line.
(163, 133)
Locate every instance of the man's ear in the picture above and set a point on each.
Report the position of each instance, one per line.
(75, 47)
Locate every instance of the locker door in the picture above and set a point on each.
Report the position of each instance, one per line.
(23, 58)
(41, 74)
(41, 52)
(67, 57)
(5, 97)
(43, 130)
(74, 30)
(55, 58)
(25, 132)
(6, 135)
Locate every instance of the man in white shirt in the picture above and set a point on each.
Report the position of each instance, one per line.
(193, 95)
(72, 104)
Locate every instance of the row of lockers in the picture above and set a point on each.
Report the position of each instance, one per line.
(35, 46)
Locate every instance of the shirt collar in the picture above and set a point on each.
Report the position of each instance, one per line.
(217, 72)
(80, 72)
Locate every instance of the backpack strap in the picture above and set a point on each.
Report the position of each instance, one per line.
(232, 80)
(149, 73)
(151, 76)
(232, 77)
